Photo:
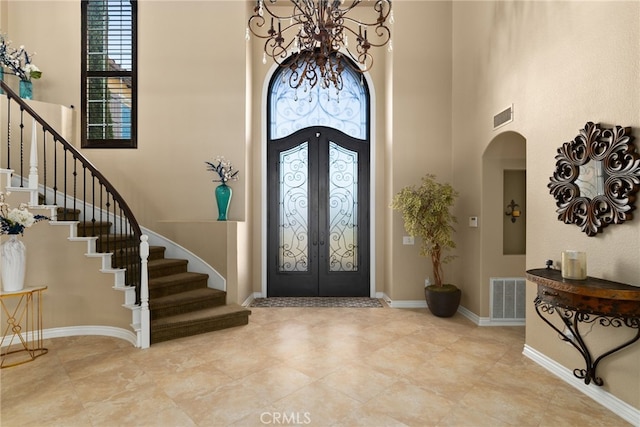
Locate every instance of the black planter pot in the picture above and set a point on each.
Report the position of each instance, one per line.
(443, 301)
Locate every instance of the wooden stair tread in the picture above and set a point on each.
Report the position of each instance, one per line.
(166, 261)
(183, 297)
(97, 223)
(176, 278)
(204, 315)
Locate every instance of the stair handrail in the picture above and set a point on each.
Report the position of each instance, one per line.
(102, 180)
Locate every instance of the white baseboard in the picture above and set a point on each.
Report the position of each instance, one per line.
(247, 302)
(403, 303)
(469, 315)
(73, 331)
(108, 331)
(606, 399)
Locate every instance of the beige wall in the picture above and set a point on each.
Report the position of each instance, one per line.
(78, 293)
(419, 139)
(454, 65)
(192, 106)
(560, 68)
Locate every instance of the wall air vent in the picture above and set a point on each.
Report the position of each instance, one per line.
(503, 117)
(507, 299)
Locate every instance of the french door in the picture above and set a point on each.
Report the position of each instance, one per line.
(318, 214)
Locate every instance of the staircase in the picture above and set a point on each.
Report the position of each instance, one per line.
(180, 302)
(167, 301)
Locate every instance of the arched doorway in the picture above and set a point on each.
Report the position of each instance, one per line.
(503, 253)
(318, 220)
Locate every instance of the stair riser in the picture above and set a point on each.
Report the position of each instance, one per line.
(68, 215)
(214, 324)
(121, 256)
(158, 313)
(122, 262)
(91, 230)
(158, 292)
(156, 253)
(167, 270)
(113, 244)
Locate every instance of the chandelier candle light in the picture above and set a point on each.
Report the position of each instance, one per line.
(313, 38)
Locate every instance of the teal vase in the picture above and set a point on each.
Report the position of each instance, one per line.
(26, 89)
(1, 78)
(223, 198)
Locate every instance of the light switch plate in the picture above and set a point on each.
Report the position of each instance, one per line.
(473, 221)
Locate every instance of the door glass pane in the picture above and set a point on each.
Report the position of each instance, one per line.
(292, 109)
(343, 209)
(293, 247)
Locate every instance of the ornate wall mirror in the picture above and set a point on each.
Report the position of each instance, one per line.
(596, 178)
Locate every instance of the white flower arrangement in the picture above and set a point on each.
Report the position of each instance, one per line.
(14, 221)
(223, 168)
(18, 61)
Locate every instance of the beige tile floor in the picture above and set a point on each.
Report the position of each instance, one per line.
(300, 366)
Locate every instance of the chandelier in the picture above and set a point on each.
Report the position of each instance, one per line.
(314, 39)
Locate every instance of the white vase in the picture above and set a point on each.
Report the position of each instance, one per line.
(14, 257)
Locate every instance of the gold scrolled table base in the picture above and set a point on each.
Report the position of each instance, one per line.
(21, 318)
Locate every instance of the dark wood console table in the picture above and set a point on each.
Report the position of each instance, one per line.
(586, 301)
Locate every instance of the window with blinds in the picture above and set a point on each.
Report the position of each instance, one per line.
(109, 73)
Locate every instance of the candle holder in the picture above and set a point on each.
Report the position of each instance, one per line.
(574, 265)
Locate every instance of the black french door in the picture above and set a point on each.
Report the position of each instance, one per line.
(318, 214)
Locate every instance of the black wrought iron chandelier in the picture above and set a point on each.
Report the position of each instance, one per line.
(313, 39)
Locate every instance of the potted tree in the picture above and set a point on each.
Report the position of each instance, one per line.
(426, 211)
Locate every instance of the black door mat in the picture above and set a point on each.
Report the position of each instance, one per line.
(350, 302)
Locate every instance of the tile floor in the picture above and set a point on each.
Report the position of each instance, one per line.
(300, 366)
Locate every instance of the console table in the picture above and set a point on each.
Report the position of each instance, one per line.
(610, 304)
(22, 339)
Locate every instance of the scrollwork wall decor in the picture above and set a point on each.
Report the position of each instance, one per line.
(596, 179)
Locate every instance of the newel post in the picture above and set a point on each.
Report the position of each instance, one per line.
(33, 164)
(145, 322)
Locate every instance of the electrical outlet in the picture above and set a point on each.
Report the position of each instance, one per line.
(408, 240)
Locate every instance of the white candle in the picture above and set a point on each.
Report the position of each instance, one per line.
(574, 265)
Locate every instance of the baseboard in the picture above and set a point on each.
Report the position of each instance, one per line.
(469, 315)
(606, 399)
(73, 331)
(107, 331)
(247, 302)
(403, 303)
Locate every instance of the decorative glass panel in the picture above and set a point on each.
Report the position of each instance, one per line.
(343, 209)
(294, 209)
(292, 110)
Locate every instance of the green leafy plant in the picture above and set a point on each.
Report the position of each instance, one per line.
(426, 211)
